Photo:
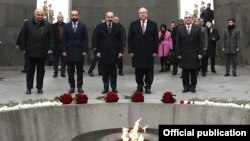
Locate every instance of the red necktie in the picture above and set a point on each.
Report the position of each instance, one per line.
(143, 27)
(188, 29)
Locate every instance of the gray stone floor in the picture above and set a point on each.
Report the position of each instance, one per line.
(13, 85)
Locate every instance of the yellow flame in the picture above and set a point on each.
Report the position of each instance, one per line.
(133, 133)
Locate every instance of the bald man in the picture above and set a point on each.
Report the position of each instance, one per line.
(108, 41)
(189, 49)
(37, 43)
(58, 32)
(143, 44)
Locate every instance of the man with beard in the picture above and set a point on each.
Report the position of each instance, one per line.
(231, 46)
(75, 48)
(36, 43)
(108, 42)
(143, 45)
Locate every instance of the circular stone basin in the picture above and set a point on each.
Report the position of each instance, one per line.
(114, 135)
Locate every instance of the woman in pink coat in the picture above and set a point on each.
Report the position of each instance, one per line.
(165, 45)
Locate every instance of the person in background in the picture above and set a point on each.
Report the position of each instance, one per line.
(58, 32)
(213, 37)
(165, 45)
(173, 36)
(37, 43)
(231, 46)
(18, 45)
(74, 49)
(120, 62)
(199, 23)
(207, 14)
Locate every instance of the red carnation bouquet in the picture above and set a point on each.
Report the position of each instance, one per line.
(168, 97)
(111, 97)
(137, 97)
(81, 98)
(66, 98)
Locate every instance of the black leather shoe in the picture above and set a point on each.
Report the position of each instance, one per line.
(121, 74)
(185, 90)
(71, 90)
(55, 75)
(213, 71)
(28, 91)
(227, 74)
(23, 71)
(203, 74)
(139, 90)
(63, 75)
(39, 91)
(174, 73)
(91, 74)
(105, 91)
(234, 74)
(148, 91)
(114, 90)
(80, 90)
(193, 90)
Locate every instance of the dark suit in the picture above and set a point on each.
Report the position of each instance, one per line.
(143, 46)
(109, 45)
(213, 37)
(75, 43)
(58, 45)
(189, 46)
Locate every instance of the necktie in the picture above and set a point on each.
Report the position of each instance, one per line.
(74, 27)
(109, 28)
(188, 29)
(60, 29)
(143, 27)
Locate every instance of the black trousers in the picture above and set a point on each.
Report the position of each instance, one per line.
(120, 65)
(56, 58)
(26, 62)
(109, 74)
(204, 65)
(186, 75)
(231, 58)
(144, 75)
(34, 63)
(93, 64)
(71, 71)
(175, 64)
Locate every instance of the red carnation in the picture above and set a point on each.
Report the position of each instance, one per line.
(66, 98)
(168, 97)
(111, 97)
(188, 102)
(81, 98)
(137, 97)
(182, 102)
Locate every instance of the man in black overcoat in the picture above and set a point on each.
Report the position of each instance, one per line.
(108, 43)
(75, 48)
(189, 50)
(143, 45)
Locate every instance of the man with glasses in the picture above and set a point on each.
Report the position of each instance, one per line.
(189, 50)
